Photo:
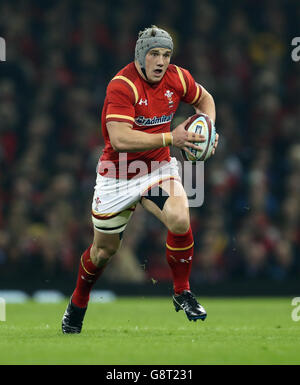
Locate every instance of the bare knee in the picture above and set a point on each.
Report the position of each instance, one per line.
(104, 247)
(178, 223)
(101, 254)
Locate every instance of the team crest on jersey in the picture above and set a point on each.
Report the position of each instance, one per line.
(169, 95)
(143, 121)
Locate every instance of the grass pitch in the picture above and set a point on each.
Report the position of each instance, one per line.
(148, 331)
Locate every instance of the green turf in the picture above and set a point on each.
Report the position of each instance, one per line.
(149, 331)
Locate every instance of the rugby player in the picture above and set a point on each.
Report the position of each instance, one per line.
(136, 167)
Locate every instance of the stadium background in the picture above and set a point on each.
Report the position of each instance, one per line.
(60, 57)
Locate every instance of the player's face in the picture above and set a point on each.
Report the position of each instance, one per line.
(157, 61)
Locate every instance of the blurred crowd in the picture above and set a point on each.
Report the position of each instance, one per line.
(60, 57)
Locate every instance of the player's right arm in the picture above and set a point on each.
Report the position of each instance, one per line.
(124, 138)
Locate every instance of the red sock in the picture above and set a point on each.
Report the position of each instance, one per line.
(179, 251)
(88, 274)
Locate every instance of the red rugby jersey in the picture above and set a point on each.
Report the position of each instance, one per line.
(147, 107)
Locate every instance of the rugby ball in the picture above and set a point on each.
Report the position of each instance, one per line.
(201, 124)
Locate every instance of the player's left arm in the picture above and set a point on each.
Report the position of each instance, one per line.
(206, 105)
(197, 96)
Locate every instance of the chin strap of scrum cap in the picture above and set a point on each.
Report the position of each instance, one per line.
(144, 72)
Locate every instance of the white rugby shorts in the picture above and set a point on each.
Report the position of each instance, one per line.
(115, 200)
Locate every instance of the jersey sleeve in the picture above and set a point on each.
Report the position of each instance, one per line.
(120, 102)
(192, 91)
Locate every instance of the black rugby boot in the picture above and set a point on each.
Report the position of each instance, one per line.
(187, 302)
(73, 319)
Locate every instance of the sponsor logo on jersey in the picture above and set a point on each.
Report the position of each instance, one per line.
(143, 121)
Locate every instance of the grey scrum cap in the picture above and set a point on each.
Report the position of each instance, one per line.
(149, 38)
